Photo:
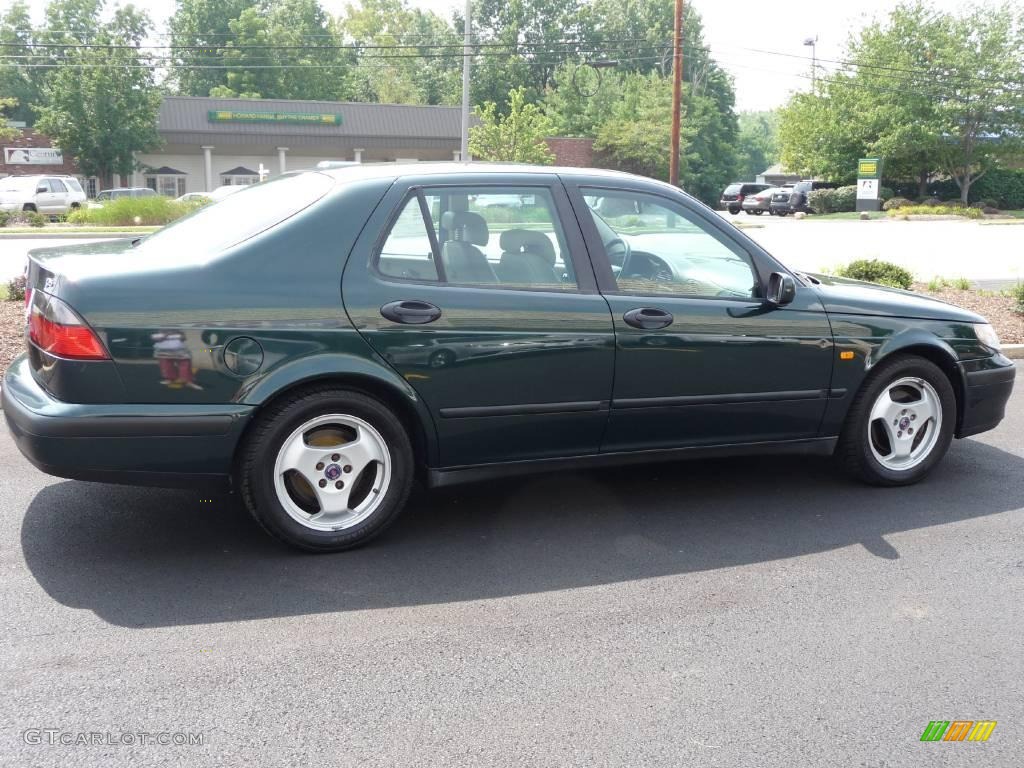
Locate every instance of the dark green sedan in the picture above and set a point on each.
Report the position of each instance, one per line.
(321, 341)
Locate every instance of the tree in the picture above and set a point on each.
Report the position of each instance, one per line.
(757, 143)
(517, 137)
(199, 31)
(17, 81)
(6, 132)
(284, 50)
(388, 71)
(930, 92)
(101, 106)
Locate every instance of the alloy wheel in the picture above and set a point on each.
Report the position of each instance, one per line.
(904, 423)
(332, 472)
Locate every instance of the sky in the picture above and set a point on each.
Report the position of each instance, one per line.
(731, 29)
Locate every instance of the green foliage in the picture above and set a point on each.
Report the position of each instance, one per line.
(16, 288)
(1017, 292)
(133, 211)
(517, 137)
(5, 217)
(33, 218)
(962, 284)
(103, 108)
(895, 203)
(18, 82)
(956, 209)
(840, 200)
(937, 107)
(877, 271)
(637, 135)
(7, 133)
(757, 143)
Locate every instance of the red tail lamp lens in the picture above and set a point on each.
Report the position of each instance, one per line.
(55, 328)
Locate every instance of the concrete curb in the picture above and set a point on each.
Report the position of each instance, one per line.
(1014, 351)
(69, 235)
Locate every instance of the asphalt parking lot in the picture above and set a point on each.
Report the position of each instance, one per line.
(730, 613)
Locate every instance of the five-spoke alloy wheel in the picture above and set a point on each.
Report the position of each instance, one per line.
(326, 469)
(900, 423)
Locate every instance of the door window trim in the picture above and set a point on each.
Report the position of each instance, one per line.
(575, 242)
(602, 265)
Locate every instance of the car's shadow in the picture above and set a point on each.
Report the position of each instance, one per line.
(143, 557)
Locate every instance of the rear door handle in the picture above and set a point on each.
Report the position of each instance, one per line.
(648, 318)
(411, 312)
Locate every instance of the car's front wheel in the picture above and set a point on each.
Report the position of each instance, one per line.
(326, 469)
(900, 424)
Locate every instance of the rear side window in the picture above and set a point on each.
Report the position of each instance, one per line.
(488, 237)
(56, 185)
(238, 217)
(733, 189)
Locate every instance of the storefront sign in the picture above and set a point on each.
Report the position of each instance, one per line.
(869, 184)
(236, 116)
(33, 156)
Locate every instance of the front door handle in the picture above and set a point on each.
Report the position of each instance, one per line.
(648, 318)
(411, 312)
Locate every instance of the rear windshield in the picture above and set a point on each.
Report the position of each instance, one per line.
(733, 189)
(218, 226)
(75, 186)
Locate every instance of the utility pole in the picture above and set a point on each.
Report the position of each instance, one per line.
(677, 94)
(466, 50)
(813, 43)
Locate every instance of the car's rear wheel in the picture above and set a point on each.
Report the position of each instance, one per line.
(780, 213)
(734, 211)
(27, 207)
(326, 469)
(900, 424)
(758, 212)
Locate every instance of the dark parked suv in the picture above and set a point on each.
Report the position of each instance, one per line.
(735, 194)
(794, 199)
(319, 341)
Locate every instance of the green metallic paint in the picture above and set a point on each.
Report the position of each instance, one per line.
(502, 349)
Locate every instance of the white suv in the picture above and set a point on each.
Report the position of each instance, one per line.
(44, 194)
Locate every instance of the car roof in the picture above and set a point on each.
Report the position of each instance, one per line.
(448, 168)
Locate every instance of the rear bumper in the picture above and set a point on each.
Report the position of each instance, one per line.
(161, 445)
(988, 384)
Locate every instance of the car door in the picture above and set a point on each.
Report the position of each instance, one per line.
(480, 294)
(701, 358)
(58, 196)
(44, 196)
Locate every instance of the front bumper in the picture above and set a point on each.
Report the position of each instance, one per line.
(988, 384)
(168, 445)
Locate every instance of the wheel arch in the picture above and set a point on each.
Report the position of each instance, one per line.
(932, 349)
(364, 378)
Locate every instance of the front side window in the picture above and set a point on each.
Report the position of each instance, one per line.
(498, 237)
(657, 247)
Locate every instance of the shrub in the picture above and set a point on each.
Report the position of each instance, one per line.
(895, 203)
(16, 288)
(130, 211)
(5, 217)
(989, 210)
(885, 193)
(951, 204)
(1017, 292)
(820, 200)
(962, 284)
(931, 201)
(33, 218)
(877, 271)
(937, 210)
(840, 200)
(845, 198)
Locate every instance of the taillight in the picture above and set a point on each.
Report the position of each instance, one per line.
(739, 198)
(55, 328)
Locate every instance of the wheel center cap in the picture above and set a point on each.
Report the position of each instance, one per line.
(904, 423)
(332, 472)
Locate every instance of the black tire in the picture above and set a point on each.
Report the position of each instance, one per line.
(854, 449)
(758, 212)
(257, 456)
(734, 211)
(28, 207)
(780, 213)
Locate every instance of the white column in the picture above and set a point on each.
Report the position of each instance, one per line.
(116, 180)
(208, 167)
(281, 151)
(456, 155)
(358, 155)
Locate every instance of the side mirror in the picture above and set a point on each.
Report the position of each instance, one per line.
(781, 289)
(41, 189)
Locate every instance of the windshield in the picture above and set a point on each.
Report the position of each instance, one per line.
(218, 226)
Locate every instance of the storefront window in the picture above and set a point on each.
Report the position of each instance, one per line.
(166, 184)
